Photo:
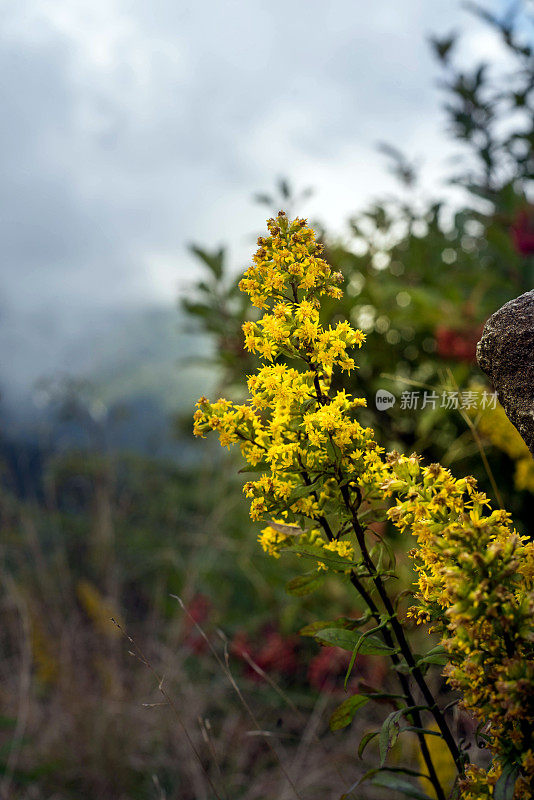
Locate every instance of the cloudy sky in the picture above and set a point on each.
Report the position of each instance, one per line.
(132, 127)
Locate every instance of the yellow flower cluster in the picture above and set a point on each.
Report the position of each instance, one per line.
(341, 548)
(310, 454)
(272, 541)
(279, 535)
(475, 576)
(290, 429)
(478, 784)
(288, 267)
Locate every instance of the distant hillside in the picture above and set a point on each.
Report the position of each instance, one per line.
(153, 354)
(141, 367)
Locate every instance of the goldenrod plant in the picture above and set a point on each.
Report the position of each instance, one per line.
(319, 481)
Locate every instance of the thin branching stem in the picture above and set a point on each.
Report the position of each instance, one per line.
(393, 621)
(400, 635)
(415, 716)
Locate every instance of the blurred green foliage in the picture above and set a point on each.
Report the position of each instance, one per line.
(422, 275)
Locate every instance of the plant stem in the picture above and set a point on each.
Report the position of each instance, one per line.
(388, 640)
(405, 684)
(400, 635)
(397, 629)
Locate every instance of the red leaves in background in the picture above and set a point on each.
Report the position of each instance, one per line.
(283, 656)
(522, 230)
(280, 655)
(198, 612)
(327, 666)
(276, 653)
(327, 669)
(459, 345)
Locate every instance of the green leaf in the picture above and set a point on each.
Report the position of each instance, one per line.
(352, 622)
(304, 490)
(197, 309)
(358, 648)
(319, 554)
(344, 714)
(388, 781)
(313, 627)
(369, 736)
(214, 261)
(399, 782)
(357, 783)
(438, 655)
(504, 788)
(402, 667)
(382, 697)
(415, 729)
(264, 199)
(342, 622)
(304, 584)
(348, 640)
(389, 733)
(390, 553)
(385, 554)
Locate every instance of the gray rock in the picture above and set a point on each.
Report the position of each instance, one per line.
(506, 354)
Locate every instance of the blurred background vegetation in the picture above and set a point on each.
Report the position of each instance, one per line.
(115, 513)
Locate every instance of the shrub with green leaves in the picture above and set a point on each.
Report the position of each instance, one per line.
(422, 273)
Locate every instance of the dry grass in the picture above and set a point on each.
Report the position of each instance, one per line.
(96, 724)
(83, 717)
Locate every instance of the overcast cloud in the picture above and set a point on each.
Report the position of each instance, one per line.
(132, 127)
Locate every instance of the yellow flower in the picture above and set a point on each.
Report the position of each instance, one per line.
(272, 541)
